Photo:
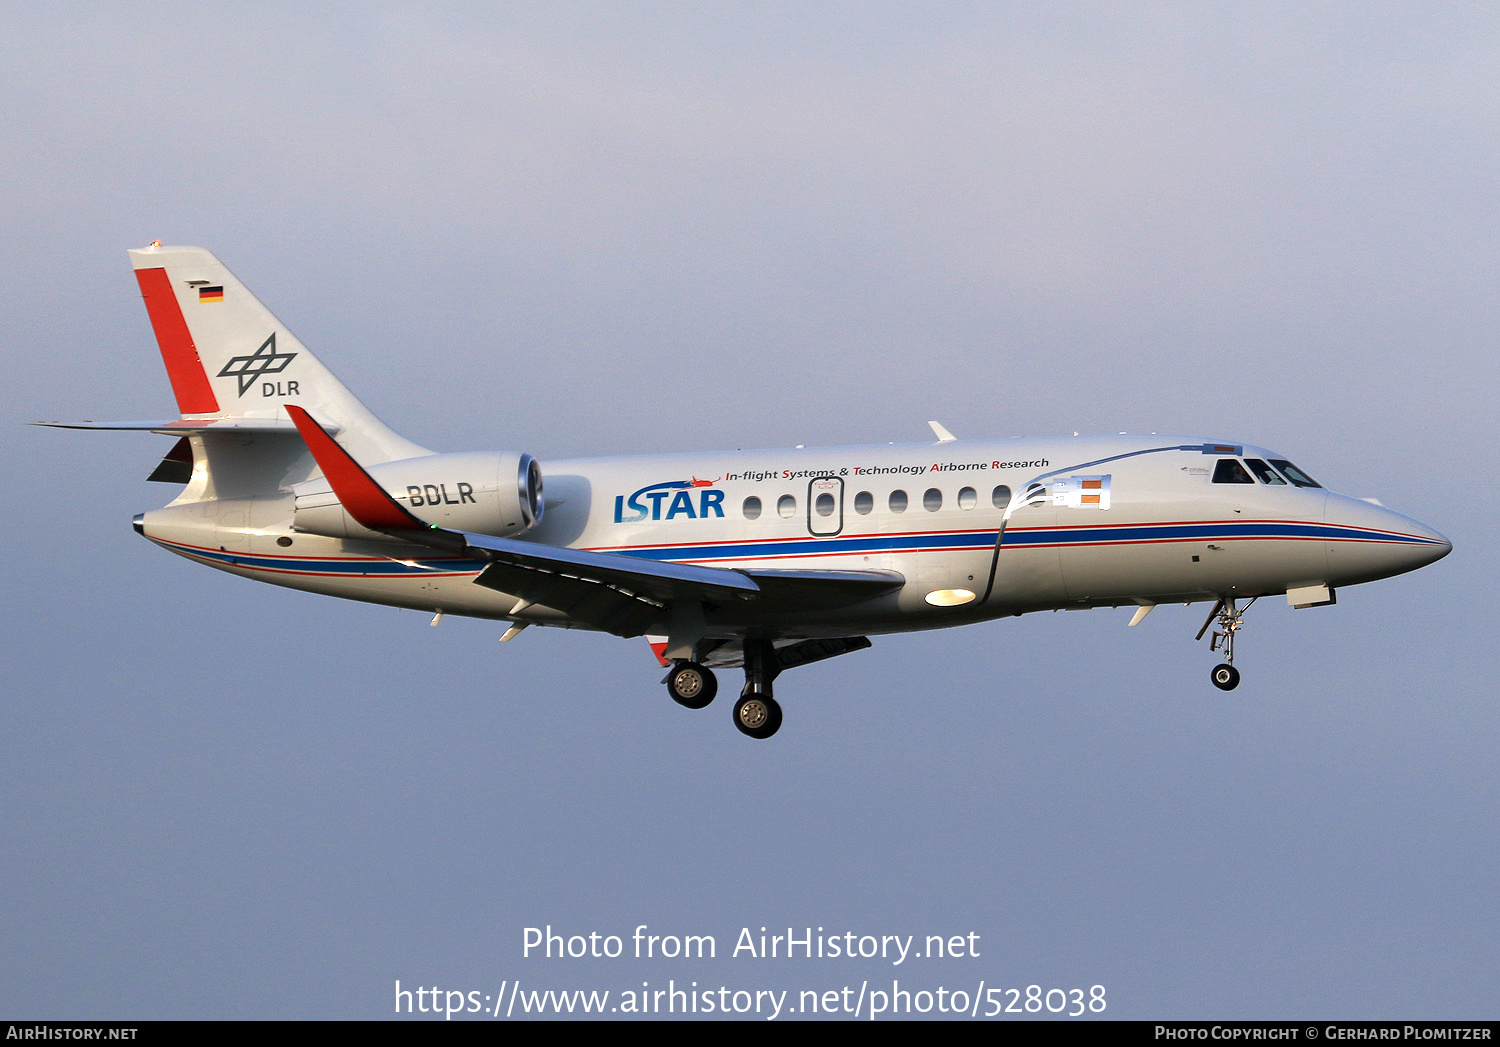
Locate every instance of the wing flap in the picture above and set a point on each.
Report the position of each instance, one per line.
(789, 653)
(609, 608)
(659, 580)
(825, 590)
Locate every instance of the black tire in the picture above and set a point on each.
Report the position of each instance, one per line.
(757, 715)
(691, 685)
(1225, 677)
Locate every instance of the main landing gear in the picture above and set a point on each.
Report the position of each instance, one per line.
(691, 685)
(1225, 676)
(756, 713)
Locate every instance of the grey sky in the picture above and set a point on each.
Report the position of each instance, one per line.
(574, 230)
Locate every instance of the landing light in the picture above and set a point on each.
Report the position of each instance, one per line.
(950, 597)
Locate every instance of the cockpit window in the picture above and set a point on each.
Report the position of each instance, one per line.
(1264, 473)
(1292, 473)
(1230, 471)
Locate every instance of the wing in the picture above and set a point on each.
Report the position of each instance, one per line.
(822, 590)
(620, 594)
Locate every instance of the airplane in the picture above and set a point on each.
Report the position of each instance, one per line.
(763, 560)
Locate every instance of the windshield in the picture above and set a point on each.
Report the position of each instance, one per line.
(1264, 473)
(1230, 471)
(1292, 473)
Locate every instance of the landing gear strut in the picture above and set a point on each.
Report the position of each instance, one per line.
(756, 713)
(1225, 676)
(691, 685)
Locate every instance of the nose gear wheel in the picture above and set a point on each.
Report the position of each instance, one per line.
(1225, 677)
(1229, 619)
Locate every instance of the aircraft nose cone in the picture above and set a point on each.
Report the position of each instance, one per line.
(1368, 541)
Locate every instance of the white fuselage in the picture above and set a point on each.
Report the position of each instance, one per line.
(1140, 528)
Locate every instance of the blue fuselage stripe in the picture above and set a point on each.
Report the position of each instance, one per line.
(850, 545)
(1018, 538)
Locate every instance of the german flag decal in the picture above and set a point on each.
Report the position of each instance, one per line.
(210, 294)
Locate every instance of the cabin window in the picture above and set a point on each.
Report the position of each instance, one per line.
(752, 508)
(898, 501)
(1264, 473)
(968, 498)
(932, 501)
(1230, 471)
(1292, 473)
(823, 504)
(864, 503)
(1000, 497)
(786, 505)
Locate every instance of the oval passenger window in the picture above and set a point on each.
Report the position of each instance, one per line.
(932, 501)
(864, 502)
(898, 501)
(824, 505)
(968, 498)
(786, 505)
(752, 508)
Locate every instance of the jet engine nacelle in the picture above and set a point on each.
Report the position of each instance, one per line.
(497, 494)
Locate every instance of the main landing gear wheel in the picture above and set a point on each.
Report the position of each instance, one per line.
(1225, 677)
(692, 685)
(757, 715)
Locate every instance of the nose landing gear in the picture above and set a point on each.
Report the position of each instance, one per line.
(1230, 618)
(1225, 677)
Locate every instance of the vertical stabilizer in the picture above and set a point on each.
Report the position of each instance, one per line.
(228, 357)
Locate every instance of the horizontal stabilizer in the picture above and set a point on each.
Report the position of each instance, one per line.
(185, 426)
